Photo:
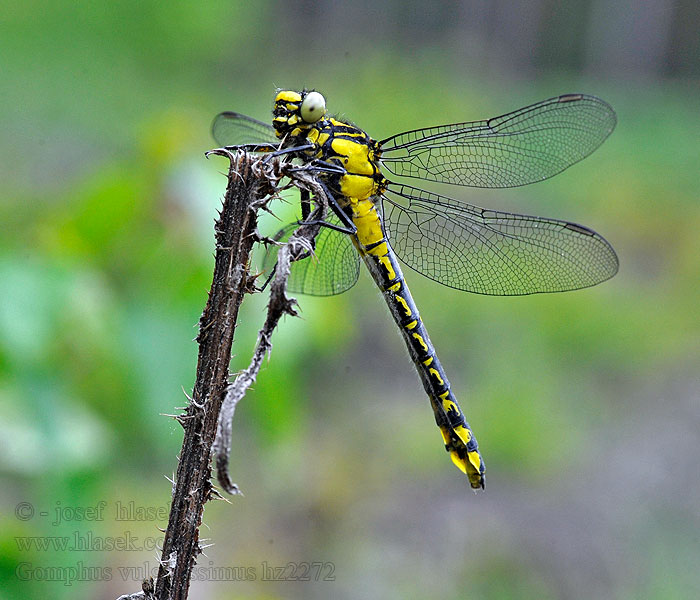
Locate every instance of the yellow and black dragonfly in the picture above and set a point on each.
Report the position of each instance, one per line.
(454, 243)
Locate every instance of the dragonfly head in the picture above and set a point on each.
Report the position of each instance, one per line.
(295, 112)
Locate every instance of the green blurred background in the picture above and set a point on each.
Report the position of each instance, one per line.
(586, 404)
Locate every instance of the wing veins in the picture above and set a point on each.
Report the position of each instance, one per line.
(550, 136)
(477, 249)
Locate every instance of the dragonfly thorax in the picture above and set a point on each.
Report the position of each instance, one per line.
(299, 119)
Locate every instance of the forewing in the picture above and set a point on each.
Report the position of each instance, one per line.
(521, 147)
(333, 269)
(492, 252)
(235, 129)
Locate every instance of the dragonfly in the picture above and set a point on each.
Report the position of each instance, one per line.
(381, 222)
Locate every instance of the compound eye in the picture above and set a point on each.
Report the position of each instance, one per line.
(313, 107)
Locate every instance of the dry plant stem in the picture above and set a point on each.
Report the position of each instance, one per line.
(300, 243)
(207, 420)
(235, 234)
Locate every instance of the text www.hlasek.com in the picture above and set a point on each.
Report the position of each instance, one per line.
(87, 542)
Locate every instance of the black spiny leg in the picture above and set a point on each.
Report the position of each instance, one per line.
(349, 226)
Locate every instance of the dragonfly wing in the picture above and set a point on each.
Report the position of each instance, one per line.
(334, 269)
(492, 252)
(235, 129)
(521, 147)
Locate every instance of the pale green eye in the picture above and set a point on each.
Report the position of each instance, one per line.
(313, 107)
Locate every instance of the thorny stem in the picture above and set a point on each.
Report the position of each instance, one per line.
(300, 243)
(207, 419)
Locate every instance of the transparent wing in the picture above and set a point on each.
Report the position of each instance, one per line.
(334, 269)
(524, 146)
(492, 252)
(235, 129)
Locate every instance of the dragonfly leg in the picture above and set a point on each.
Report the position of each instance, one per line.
(347, 225)
(322, 166)
(276, 152)
(305, 204)
(262, 148)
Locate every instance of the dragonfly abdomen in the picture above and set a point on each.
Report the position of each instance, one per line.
(386, 272)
